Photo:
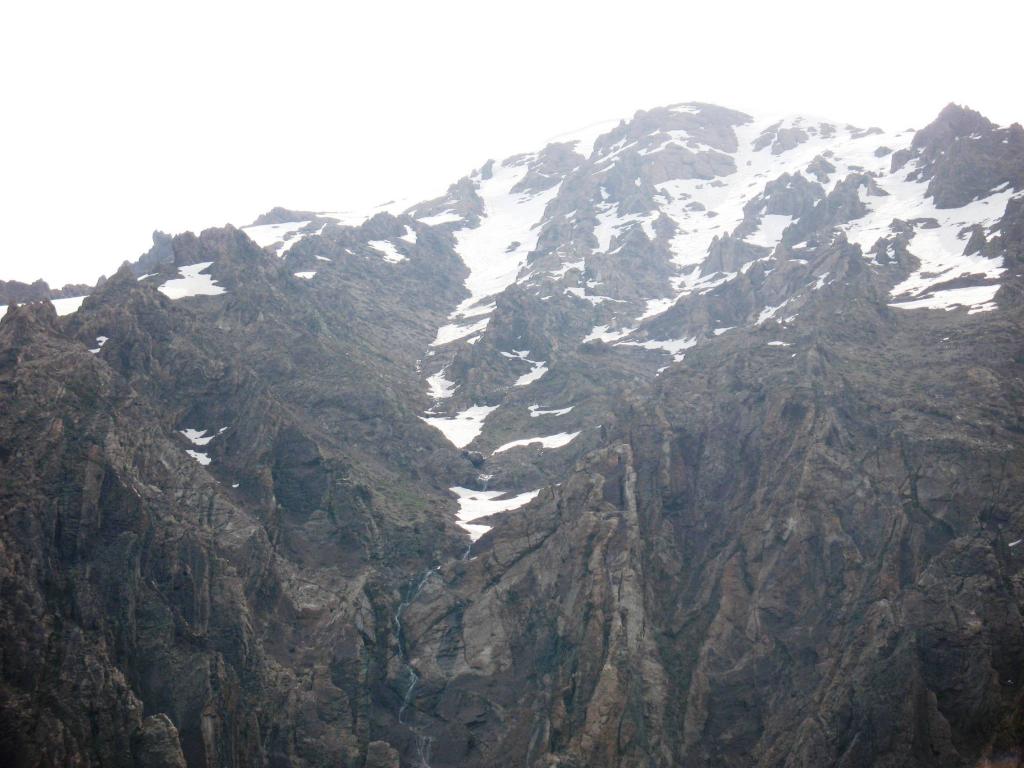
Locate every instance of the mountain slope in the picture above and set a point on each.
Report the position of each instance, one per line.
(687, 440)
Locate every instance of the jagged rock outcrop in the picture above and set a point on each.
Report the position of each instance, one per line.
(963, 155)
(15, 292)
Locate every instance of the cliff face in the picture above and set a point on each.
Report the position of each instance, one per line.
(553, 470)
(779, 560)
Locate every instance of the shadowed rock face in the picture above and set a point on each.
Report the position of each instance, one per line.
(780, 524)
(138, 582)
(795, 564)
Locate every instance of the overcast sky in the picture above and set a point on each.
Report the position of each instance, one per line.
(121, 118)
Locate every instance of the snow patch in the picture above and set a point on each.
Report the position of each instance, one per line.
(462, 428)
(656, 307)
(387, 249)
(199, 456)
(446, 217)
(704, 209)
(769, 233)
(265, 235)
(551, 441)
(496, 250)
(674, 347)
(477, 504)
(979, 298)
(191, 283)
(440, 387)
(67, 306)
(453, 332)
(940, 249)
(610, 224)
(539, 369)
(536, 411)
(601, 333)
(769, 312)
(579, 293)
(200, 436)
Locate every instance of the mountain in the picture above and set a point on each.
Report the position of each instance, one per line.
(689, 440)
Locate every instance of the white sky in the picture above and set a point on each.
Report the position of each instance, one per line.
(122, 118)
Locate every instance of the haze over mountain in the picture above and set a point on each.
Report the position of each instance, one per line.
(128, 117)
(690, 439)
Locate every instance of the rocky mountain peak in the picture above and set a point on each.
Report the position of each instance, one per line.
(954, 122)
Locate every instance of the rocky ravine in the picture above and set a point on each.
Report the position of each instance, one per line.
(696, 442)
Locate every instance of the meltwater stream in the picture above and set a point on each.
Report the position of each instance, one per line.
(422, 742)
